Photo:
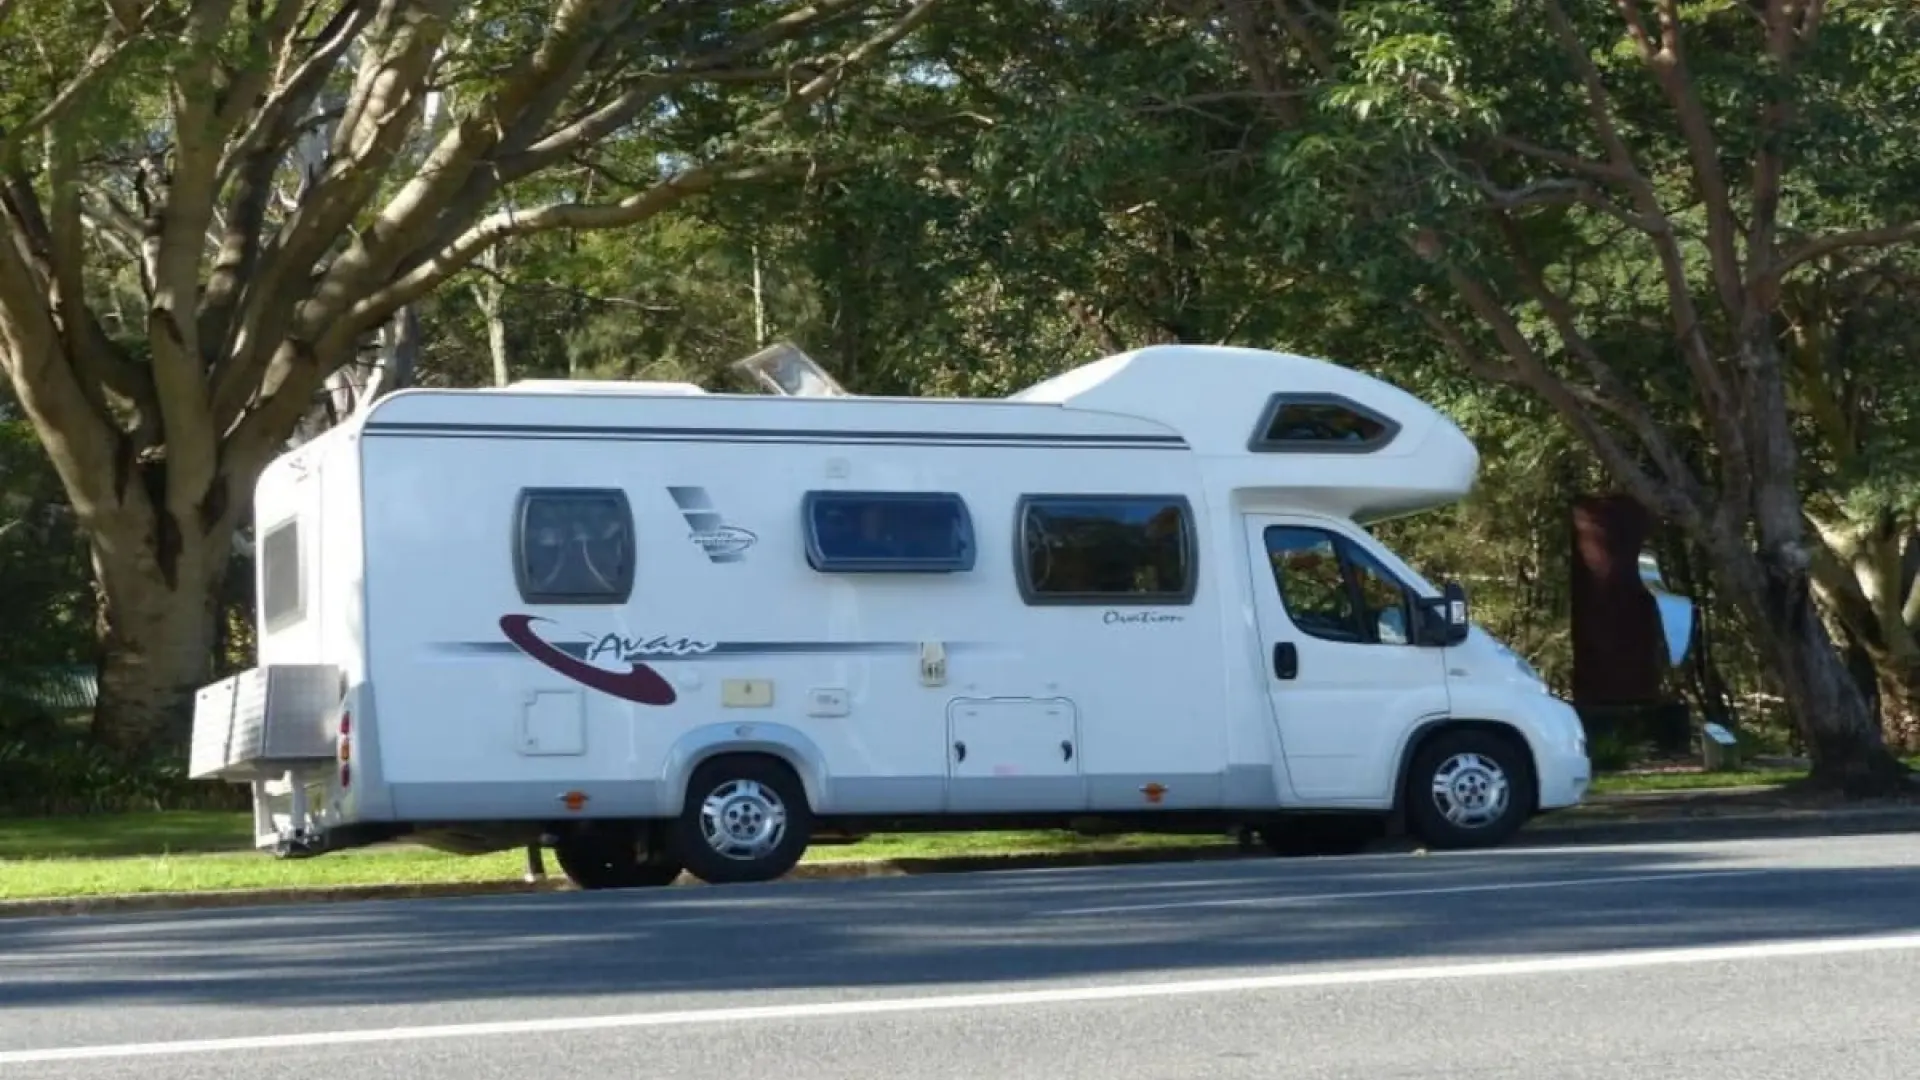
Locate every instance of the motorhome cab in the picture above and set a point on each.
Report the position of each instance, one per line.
(664, 630)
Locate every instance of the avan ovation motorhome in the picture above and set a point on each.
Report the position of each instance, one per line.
(664, 630)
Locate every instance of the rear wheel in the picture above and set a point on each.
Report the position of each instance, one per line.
(614, 859)
(1468, 788)
(745, 819)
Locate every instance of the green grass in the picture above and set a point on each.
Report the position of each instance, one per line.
(1631, 782)
(107, 835)
(1625, 783)
(195, 852)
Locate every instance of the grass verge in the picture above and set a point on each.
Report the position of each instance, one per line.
(106, 855)
(1638, 783)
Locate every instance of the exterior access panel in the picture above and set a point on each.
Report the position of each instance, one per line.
(261, 722)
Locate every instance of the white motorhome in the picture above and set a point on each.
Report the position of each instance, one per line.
(660, 629)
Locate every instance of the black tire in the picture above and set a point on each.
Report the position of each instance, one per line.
(613, 859)
(1321, 834)
(1484, 766)
(748, 788)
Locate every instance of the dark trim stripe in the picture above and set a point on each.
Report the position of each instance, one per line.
(586, 432)
(725, 650)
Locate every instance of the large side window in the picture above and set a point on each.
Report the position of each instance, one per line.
(1334, 590)
(887, 532)
(1106, 549)
(283, 592)
(1320, 424)
(574, 546)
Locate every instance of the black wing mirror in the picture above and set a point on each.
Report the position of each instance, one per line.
(1444, 619)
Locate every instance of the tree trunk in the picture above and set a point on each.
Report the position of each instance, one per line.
(158, 621)
(1864, 579)
(1841, 734)
(1899, 684)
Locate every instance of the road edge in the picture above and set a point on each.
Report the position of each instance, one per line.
(1550, 831)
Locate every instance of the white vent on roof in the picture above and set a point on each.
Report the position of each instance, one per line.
(785, 370)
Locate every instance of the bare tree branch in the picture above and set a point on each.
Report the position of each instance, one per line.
(175, 246)
(1610, 172)
(1718, 400)
(424, 271)
(388, 98)
(524, 157)
(1669, 67)
(341, 310)
(1532, 370)
(100, 60)
(79, 440)
(258, 154)
(1614, 394)
(1834, 243)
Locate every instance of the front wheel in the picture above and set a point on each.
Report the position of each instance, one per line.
(1468, 789)
(746, 819)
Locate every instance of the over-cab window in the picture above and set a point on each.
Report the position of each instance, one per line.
(1320, 423)
(283, 592)
(1107, 549)
(901, 532)
(1333, 589)
(574, 546)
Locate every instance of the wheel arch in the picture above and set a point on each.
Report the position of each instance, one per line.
(1429, 730)
(787, 745)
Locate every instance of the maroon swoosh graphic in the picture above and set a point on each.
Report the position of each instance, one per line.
(640, 683)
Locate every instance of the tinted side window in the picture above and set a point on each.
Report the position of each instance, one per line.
(1384, 609)
(880, 531)
(1306, 569)
(1133, 549)
(1335, 590)
(283, 600)
(1321, 423)
(574, 546)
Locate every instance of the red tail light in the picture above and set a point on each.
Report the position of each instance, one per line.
(346, 749)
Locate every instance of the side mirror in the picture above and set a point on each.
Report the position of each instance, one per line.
(1444, 619)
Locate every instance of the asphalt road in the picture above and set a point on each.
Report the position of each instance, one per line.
(1738, 960)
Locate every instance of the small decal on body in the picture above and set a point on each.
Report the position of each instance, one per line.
(722, 542)
(1139, 618)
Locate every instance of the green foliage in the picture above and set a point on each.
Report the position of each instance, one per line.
(1021, 187)
(46, 603)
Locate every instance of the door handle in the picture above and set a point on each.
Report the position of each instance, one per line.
(1286, 660)
(1066, 750)
(959, 751)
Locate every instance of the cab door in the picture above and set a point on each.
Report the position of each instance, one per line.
(1344, 681)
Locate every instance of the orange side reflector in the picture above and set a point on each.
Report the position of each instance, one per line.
(574, 800)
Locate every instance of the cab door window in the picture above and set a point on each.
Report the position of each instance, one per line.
(1333, 590)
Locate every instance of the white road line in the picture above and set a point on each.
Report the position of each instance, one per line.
(1543, 965)
(1431, 890)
